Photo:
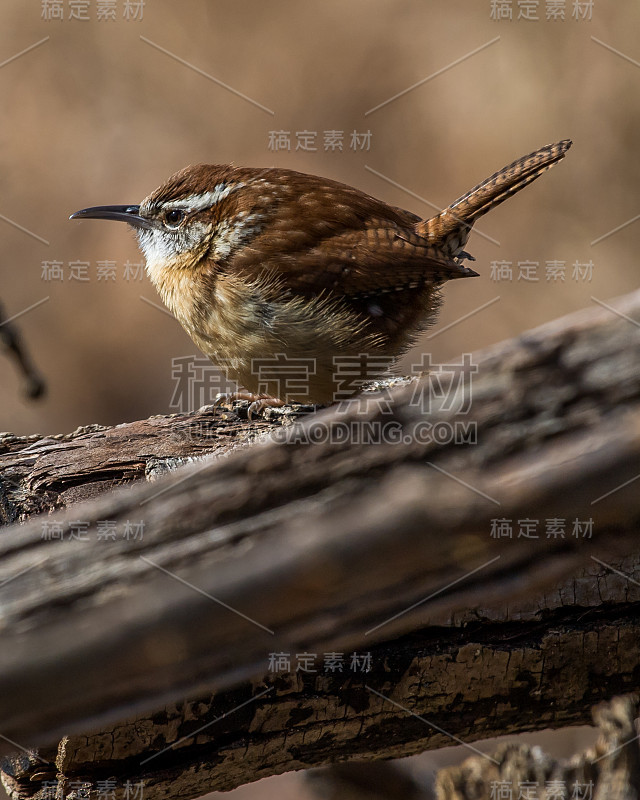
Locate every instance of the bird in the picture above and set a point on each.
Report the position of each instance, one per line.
(300, 288)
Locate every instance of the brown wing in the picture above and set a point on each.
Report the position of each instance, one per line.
(317, 235)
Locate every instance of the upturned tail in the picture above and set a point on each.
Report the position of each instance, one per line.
(456, 221)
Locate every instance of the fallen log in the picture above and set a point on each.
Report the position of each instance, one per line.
(492, 582)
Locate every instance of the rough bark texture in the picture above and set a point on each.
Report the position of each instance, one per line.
(40, 474)
(608, 771)
(328, 544)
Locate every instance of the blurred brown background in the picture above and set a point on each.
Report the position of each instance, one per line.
(96, 113)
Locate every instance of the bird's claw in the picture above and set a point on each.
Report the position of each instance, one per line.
(257, 402)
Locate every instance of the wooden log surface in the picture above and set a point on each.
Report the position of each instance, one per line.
(308, 541)
(610, 770)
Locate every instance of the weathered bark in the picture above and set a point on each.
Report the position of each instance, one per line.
(333, 546)
(40, 474)
(463, 685)
(608, 771)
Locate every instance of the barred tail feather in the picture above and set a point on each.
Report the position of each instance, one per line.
(491, 192)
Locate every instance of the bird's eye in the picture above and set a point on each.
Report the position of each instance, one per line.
(174, 217)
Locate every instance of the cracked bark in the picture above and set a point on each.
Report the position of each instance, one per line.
(608, 771)
(334, 547)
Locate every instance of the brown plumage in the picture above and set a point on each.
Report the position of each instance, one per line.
(275, 273)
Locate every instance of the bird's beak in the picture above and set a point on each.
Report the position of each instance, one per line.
(130, 214)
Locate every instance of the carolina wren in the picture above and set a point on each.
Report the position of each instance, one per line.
(276, 267)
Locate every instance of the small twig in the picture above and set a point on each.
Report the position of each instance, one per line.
(35, 386)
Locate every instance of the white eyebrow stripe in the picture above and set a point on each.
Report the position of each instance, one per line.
(198, 202)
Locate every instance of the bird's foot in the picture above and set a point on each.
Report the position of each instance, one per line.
(257, 402)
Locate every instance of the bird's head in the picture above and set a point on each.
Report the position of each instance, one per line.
(200, 213)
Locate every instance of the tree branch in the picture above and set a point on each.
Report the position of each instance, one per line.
(310, 541)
